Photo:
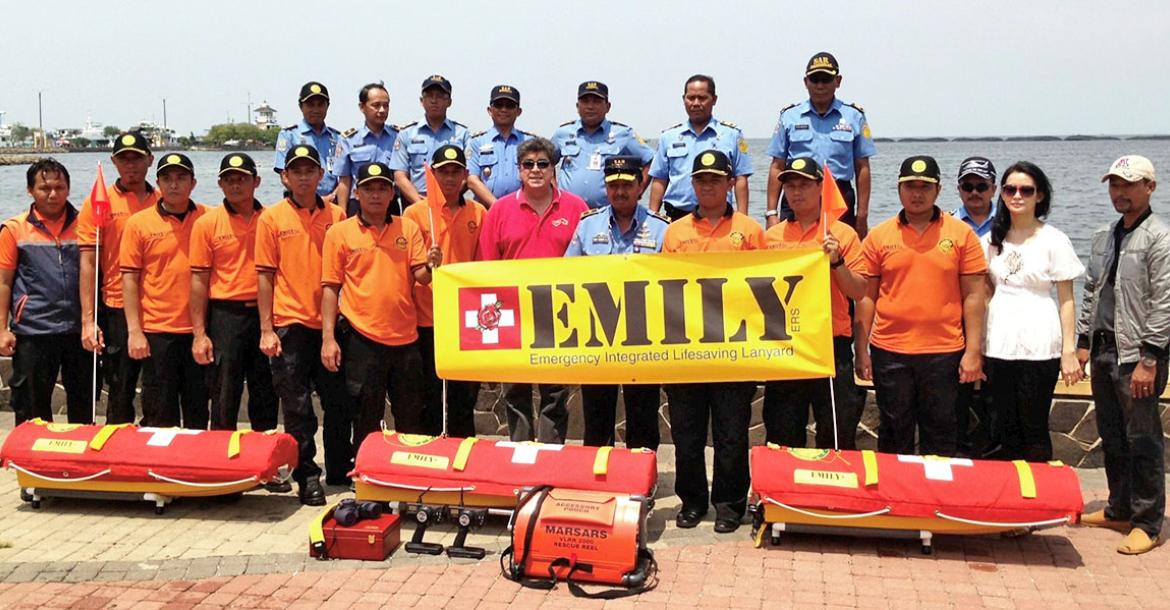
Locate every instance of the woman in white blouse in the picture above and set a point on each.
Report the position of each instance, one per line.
(1030, 340)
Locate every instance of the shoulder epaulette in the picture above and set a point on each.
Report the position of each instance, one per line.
(660, 216)
(406, 126)
(789, 107)
(671, 127)
(477, 134)
(567, 123)
(333, 129)
(729, 124)
(858, 107)
(589, 213)
(459, 124)
(618, 123)
(349, 132)
(521, 131)
(293, 126)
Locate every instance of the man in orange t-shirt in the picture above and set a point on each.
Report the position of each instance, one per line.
(714, 226)
(922, 314)
(786, 403)
(224, 317)
(38, 291)
(369, 265)
(289, 237)
(156, 284)
(129, 194)
(458, 237)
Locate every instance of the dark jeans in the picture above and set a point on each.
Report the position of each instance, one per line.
(786, 405)
(1022, 398)
(461, 395)
(173, 381)
(1131, 437)
(120, 370)
(847, 193)
(234, 330)
(368, 366)
(599, 408)
(552, 418)
(35, 365)
(296, 372)
(728, 408)
(916, 391)
(975, 441)
(672, 212)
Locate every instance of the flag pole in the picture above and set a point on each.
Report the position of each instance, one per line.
(93, 391)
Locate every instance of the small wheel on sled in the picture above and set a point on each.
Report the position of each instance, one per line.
(158, 510)
(35, 504)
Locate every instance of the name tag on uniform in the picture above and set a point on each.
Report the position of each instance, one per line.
(678, 145)
(601, 238)
(417, 141)
(485, 148)
(802, 126)
(645, 243)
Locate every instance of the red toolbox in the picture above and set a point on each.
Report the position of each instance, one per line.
(368, 539)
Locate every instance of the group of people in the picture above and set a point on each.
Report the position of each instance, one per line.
(327, 290)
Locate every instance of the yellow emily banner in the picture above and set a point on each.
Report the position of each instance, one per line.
(643, 318)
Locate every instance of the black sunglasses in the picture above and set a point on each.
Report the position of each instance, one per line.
(975, 186)
(505, 105)
(1010, 190)
(542, 164)
(820, 78)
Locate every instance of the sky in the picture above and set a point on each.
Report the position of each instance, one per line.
(942, 68)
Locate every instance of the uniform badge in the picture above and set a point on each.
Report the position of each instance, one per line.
(743, 145)
(736, 238)
(401, 243)
(281, 144)
(338, 149)
(487, 172)
(946, 245)
(865, 130)
(601, 238)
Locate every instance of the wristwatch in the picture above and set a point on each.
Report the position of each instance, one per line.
(1149, 361)
(772, 213)
(840, 261)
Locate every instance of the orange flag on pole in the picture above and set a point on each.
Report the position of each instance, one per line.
(99, 198)
(435, 202)
(832, 203)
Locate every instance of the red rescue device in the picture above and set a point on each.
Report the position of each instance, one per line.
(580, 536)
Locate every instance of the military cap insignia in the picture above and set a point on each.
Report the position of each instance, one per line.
(708, 159)
(236, 161)
(798, 164)
(591, 86)
(820, 62)
(918, 166)
(315, 88)
(174, 159)
(450, 153)
(374, 170)
(301, 151)
(127, 140)
(505, 89)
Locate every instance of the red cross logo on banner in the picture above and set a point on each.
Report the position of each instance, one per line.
(488, 318)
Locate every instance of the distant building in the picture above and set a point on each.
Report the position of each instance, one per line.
(266, 116)
(158, 136)
(5, 131)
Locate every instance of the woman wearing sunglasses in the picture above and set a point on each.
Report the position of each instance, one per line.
(1030, 339)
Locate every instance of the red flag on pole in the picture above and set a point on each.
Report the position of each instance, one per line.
(435, 202)
(832, 203)
(99, 198)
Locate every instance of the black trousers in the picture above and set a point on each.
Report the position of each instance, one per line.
(786, 405)
(1022, 397)
(976, 441)
(368, 366)
(847, 193)
(119, 369)
(552, 418)
(727, 407)
(296, 372)
(599, 408)
(672, 212)
(35, 365)
(1131, 437)
(916, 391)
(461, 395)
(234, 330)
(174, 389)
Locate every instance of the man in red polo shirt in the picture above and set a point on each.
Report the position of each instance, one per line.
(537, 221)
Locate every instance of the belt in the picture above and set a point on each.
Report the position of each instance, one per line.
(232, 305)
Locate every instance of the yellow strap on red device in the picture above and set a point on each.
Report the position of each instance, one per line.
(463, 453)
(1027, 481)
(99, 440)
(601, 461)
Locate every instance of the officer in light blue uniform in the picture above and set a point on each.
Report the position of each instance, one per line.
(600, 232)
(586, 143)
(830, 131)
(311, 130)
(491, 154)
(417, 141)
(672, 192)
(371, 143)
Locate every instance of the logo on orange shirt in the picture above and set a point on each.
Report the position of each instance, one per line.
(471, 226)
(946, 245)
(400, 242)
(736, 238)
(490, 319)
